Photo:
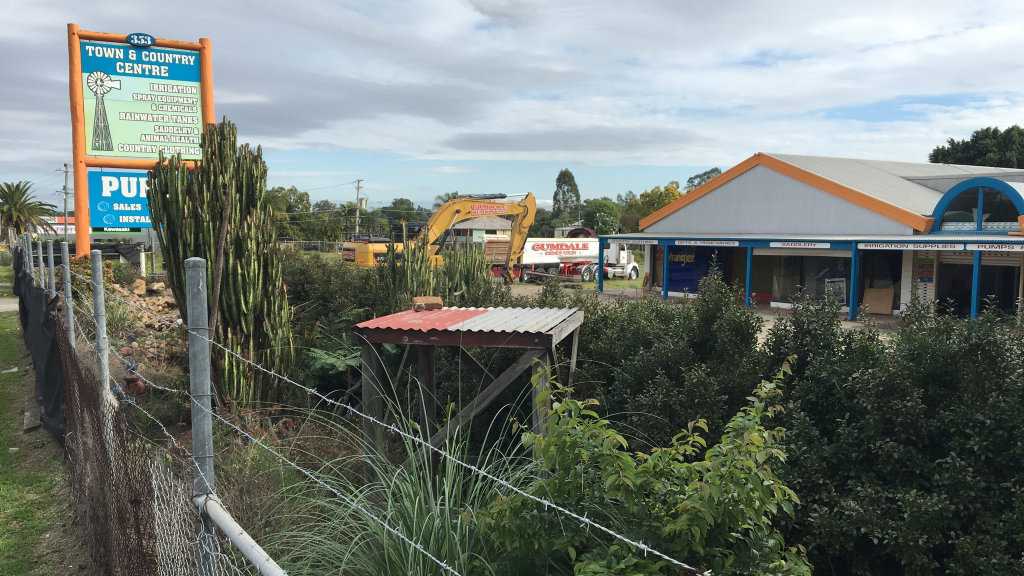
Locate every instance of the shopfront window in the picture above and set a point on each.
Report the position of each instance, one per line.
(816, 276)
(998, 212)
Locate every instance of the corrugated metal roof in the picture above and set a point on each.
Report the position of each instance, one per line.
(893, 182)
(496, 320)
(485, 223)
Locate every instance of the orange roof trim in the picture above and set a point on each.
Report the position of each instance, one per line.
(902, 215)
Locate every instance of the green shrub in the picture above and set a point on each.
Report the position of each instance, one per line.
(124, 273)
(657, 366)
(713, 509)
(906, 452)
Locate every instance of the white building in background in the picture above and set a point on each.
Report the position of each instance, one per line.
(865, 231)
(482, 230)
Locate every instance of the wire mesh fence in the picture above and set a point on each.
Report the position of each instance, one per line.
(132, 496)
(134, 493)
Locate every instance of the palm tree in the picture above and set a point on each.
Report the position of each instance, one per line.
(440, 199)
(20, 211)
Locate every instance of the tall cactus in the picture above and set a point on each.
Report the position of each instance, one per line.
(190, 208)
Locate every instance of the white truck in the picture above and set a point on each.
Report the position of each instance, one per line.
(570, 257)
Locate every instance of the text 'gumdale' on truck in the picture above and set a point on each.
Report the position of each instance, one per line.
(575, 255)
(436, 233)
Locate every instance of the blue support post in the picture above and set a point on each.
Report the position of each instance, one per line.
(599, 273)
(975, 282)
(664, 271)
(746, 276)
(854, 281)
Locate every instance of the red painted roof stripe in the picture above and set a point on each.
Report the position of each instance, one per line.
(440, 319)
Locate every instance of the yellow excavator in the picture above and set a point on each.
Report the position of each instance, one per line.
(459, 209)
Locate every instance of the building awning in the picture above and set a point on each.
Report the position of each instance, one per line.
(837, 242)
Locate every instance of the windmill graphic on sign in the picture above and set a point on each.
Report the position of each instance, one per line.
(100, 83)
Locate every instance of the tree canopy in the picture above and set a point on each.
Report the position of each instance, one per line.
(986, 147)
(20, 210)
(567, 196)
(698, 180)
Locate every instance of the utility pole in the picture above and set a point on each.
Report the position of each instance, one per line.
(65, 171)
(359, 190)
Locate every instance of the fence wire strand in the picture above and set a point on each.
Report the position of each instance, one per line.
(547, 504)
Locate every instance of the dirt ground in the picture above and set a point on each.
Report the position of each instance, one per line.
(39, 536)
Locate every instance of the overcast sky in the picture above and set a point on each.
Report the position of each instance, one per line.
(486, 96)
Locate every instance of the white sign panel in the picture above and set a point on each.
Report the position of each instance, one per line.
(555, 250)
(909, 246)
(637, 242)
(707, 243)
(997, 247)
(820, 245)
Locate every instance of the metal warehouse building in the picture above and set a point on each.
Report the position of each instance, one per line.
(866, 231)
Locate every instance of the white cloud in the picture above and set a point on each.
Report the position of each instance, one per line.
(573, 81)
(451, 169)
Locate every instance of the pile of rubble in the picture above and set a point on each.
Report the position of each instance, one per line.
(156, 336)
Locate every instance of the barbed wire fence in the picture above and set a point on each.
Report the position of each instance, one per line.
(149, 508)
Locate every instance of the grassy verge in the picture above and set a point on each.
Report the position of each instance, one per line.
(30, 469)
(6, 279)
(617, 283)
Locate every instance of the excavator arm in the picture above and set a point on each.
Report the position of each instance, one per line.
(468, 207)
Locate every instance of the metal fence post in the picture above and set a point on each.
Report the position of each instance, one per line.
(204, 481)
(40, 265)
(69, 295)
(50, 282)
(28, 258)
(100, 313)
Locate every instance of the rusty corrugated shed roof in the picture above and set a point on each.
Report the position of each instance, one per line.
(497, 320)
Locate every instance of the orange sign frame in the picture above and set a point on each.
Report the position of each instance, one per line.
(81, 161)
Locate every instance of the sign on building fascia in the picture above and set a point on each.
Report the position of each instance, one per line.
(819, 245)
(909, 246)
(632, 241)
(997, 247)
(707, 243)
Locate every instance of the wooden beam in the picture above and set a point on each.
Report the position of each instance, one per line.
(541, 392)
(487, 396)
(469, 339)
(566, 327)
(465, 354)
(572, 356)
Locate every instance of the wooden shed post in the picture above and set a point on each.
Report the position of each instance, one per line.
(541, 392)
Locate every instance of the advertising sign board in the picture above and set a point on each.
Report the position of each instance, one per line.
(141, 101)
(118, 201)
(555, 250)
(133, 96)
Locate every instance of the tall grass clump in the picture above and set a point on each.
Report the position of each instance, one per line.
(463, 278)
(434, 502)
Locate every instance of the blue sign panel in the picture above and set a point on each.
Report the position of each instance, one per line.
(118, 201)
(160, 63)
(687, 266)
